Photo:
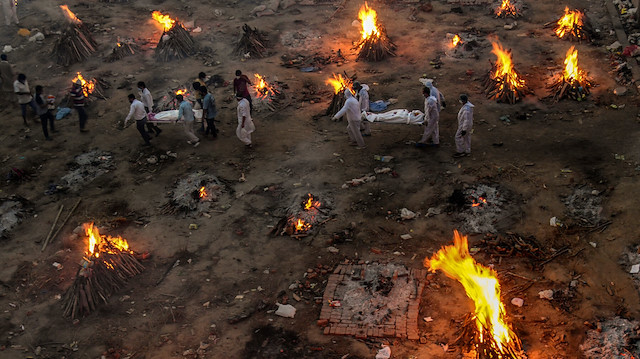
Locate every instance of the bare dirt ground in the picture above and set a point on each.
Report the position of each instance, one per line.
(218, 302)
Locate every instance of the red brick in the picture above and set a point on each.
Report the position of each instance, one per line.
(327, 330)
(322, 322)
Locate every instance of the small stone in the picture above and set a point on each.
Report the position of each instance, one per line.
(546, 294)
(635, 269)
(518, 302)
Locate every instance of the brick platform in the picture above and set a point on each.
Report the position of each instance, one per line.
(365, 309)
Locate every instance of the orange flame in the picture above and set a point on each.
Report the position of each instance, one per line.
(340, 83)
(103, 244)
(182, 91)
(369, 19)
(166, 21)
(455, 41)
(263, 89)
(202, 192)
(504, 68)
(481, 285)
(302, 226)
(310, 203)
(507, 8)
(87, 86)
(571, 20)
(481, 201)
(571, 70)
(70, 15)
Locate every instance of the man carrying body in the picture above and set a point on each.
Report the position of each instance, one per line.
(363, 99)
(44, 112)
(186, 112)
(431, 118)
(77, 96)
(136, 110)
(209, 111)
(21, 88)
(245, 122)
(147, 101)
(465, 124)
(352, 109)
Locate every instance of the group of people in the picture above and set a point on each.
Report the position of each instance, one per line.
(357, 103)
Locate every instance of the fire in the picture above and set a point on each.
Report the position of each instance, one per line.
(166, 21)
(103, 244)
(572, 72)
(507, 8)
(369, 19)
(87, 86)
(340, 83)
(182, 91)
(481, 285)
(310, 203)
(455, 41)
(480, 202)
(504, 68)
(571, 21)
(70, 15)
(263, 89)
(202, 192)
(302, 226)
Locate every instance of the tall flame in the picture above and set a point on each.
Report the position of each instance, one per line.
(339, 83)
(165, 20)
(70, 15)
(369, 19)
(504, 68)
(103, 244)
(507, 8)
(571, 20)
(263, 89)
(571, 70)
(481, 285)
(87, 86)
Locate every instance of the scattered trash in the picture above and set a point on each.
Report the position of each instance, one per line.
(546, 294)
(193, 226)
(406, 214)
(57, 265)
(518, 302)
(615, 46)
(37, 37)
(635, 269)
(384, 353)
(333, 250)
(335, 304)
(618, 157)
(511, 26)
(566, 170)
(555, 222)
(383, 158)
(593, 244)
(382, 170)
(285, 310)
(428, 319)
(406, 236)
(433, 211)
(359, 181)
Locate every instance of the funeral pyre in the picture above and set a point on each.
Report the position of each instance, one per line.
(90, 87)
(269, 95)
(340, 84)
(508, 8)
(196, 192)
(252, 43)
(374, 44)
(75, 43)
(573, 25)
(105, 268)
(301, 218)
(487, 332)
(503, 83)
(572, 82)
(176, 42)
(463, 45)
(122, 49)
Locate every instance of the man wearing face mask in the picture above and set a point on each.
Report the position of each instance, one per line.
(465, 124)
(352, 109)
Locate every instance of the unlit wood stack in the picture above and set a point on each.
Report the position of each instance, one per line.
(97, 280)
(122, 49)
(375, 48)
(175, 44)
(576, 90)
(74, 45)
(501, 90)
(253, 42)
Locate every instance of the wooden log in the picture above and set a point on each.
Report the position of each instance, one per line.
(52, 227)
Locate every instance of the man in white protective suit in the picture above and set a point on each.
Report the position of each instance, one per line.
(436, 93)
(352, 109)
(465, 124)
(362, 90)
(431, 119)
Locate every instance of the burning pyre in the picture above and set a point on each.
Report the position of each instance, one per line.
(106, 266)
(573, 81)
(196, 192)
(573, 25)
(339, 84)
(176, 42)
(374, 44)
(508, 8)
(89, 87)
(75, 43)
(253, 43)
(503, 82)
(302, 219)
(269, 94)
(487, 333)
(120, 50)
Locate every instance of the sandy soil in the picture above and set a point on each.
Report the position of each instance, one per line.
(232, 254)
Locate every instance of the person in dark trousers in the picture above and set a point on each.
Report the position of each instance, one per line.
(209, 111)
(45, 113)
(241, 86)
(21, 89)
(136, 110)
(147, 101)
(77, 96)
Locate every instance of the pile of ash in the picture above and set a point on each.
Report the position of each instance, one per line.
(482, 208)
(615, 338)
(194, 193)
(12, 211)
(85, 168)
(585, 205)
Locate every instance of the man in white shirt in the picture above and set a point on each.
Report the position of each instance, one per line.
(147, 101)
(21, 88)
(136, 110)
(9, 8)
(245, 122)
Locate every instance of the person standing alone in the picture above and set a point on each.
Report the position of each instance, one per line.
(465, 124)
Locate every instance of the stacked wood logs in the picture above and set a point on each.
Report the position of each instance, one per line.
(375, 48)
(502, 90)
(74, 45)
(338, 100)
(562, 88)
(253, 43)
(175, 44)
(97, 280)
(122, 49)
